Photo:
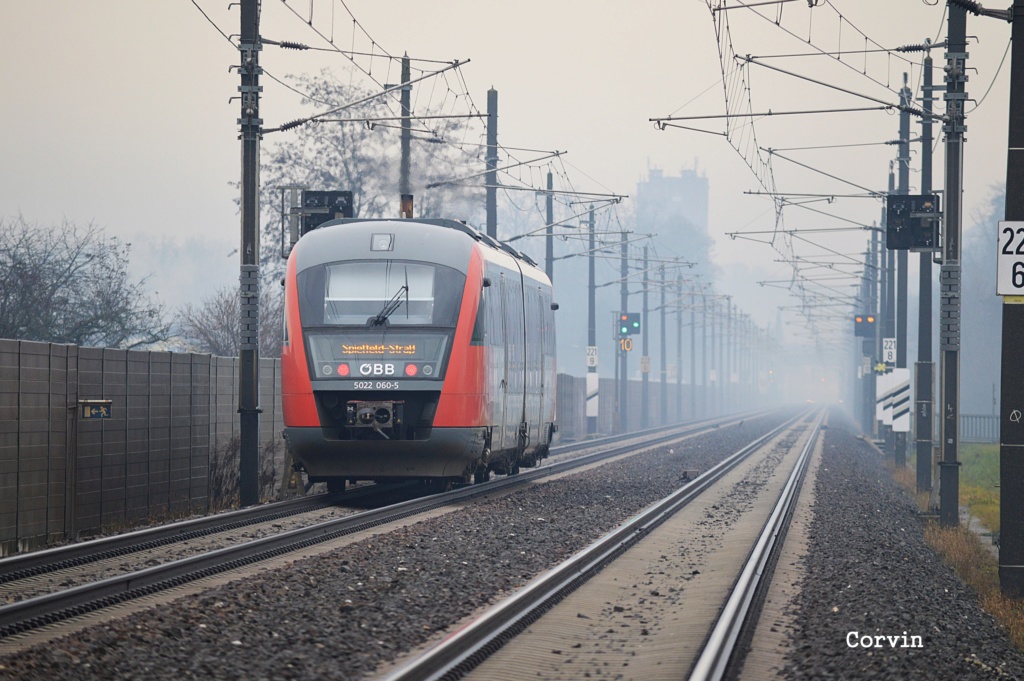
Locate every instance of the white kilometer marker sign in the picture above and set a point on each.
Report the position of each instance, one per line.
(1010, 263)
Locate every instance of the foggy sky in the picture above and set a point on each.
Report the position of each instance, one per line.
(118, 113)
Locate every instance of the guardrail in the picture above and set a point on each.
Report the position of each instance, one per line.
(979, 428)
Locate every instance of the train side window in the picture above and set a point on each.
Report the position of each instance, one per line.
(549, 324)
(494, 329)
(480, 325)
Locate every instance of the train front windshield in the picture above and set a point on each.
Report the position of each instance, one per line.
(379, 319)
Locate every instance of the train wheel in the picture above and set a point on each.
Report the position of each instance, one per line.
(514, 470)
(336, 485)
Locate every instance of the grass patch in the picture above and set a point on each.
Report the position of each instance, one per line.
(961, 548)
(979, 482)
(983, 504)
(968, 556)
(980, 464)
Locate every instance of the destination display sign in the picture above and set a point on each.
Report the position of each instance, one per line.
(378, 349)
(371, 353)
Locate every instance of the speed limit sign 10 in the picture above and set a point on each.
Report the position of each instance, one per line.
(1010, 266)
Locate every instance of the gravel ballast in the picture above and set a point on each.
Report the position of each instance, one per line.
(343, 614)
(869, 573)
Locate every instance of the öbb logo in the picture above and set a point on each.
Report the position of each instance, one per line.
(377, 369)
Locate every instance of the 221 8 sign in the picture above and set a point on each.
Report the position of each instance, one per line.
(1010, 265)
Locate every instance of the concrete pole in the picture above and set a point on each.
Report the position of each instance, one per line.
(1011, 431)
(404, 190)
(903, 162)
(693, 352)
(645, 398)
(890, 312)
(662, 363)
(949, 273)
(549, 246)
(623, 355)
(249, 288)
(925, 368)
(591, 307)
(491, 178)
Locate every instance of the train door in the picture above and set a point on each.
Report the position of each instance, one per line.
(503, 369)
(550, 382)
(517, 363)
(535, 367)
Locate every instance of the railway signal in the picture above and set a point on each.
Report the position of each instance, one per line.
(864, 325)
(912, 222)
(629, 323)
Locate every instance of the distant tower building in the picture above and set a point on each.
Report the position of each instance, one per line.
(676, 209)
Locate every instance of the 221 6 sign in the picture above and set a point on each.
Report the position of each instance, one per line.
(1010, 263)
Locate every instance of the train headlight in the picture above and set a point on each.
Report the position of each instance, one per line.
(428, 370)
(411, 370)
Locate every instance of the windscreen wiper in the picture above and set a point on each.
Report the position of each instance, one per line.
(391, 306)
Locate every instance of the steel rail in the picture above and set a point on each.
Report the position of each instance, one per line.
(721, 645)
(22, 566)
(467, 648)
(35, 612)
(70, 555)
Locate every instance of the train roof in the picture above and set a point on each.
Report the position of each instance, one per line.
(439, 222)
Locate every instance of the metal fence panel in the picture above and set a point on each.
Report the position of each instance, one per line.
(137, 436)
(977, 428)
(113, 377)
(199, 442)
(9, 374)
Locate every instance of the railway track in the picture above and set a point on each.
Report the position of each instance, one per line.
(42, 562)
(552, 629)
(32, 613)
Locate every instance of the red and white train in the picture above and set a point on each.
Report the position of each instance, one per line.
(415, 348)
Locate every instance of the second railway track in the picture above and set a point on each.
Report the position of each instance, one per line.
(35, 612)
(640, 602)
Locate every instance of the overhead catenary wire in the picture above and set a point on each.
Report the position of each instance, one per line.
(994, 78)
(781, 242)
(842, 19)
(900, 107)
(334, 48)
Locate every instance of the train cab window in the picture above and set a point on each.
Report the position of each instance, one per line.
(366, 293)
(358, 291)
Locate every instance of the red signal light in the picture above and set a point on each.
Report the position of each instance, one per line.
(859, 319)
(411, 370)
(343, 370)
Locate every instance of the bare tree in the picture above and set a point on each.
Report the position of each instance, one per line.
(213, 325)
(70, 284)
(363, 157)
